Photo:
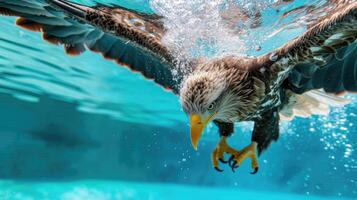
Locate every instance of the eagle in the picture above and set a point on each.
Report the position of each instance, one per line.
(301, 77)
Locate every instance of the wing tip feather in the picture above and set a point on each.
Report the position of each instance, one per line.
(36, 27)
(7, 12)
(73, 50)
(50, 39)
(28, 24)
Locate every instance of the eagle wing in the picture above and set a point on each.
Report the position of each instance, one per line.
(130, 38)
(325, 55)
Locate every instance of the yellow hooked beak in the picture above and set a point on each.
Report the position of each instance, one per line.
(197, 126)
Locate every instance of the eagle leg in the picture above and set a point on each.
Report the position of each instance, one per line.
(266, 129)
(218, 154)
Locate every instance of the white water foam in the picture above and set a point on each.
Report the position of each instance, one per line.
(202, 28)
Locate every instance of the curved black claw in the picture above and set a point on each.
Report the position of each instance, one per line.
(255, 170)
(234, 166)
(222, 161)
(230, 161)
(218, 169)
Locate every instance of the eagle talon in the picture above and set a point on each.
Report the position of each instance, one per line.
(218, 169)
(223, 161)
(248, 152)
(231, 161)
(255, 171)
(218, 153)
(234, 166)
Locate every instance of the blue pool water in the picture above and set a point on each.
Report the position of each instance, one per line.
(85, 128)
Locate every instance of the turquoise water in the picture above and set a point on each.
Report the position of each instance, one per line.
(85, 128)
(100, 190)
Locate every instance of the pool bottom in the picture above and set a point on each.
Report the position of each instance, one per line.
(116, 190)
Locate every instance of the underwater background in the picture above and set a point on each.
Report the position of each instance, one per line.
(85, 128)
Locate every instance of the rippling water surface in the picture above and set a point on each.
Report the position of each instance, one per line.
(85, 128)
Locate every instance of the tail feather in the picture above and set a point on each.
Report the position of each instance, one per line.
(314, 102)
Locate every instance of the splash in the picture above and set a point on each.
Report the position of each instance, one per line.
(199, 30)
(202, 28)
(301, 15)
(207, 29)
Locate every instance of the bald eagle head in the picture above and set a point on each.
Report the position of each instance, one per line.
(202, 98)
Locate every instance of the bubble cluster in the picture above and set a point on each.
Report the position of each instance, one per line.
(208, 29)
(337, 129)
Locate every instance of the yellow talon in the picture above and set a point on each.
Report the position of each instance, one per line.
(218, 154)
(248, 152)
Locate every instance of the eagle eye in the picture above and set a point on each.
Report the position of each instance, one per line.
(211, 106)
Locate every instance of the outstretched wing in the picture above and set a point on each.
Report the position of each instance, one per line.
(325, 55)
(131, 38)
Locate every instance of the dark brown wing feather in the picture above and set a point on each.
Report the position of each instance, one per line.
(131, 38)
(338, 76)
(325, 55)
